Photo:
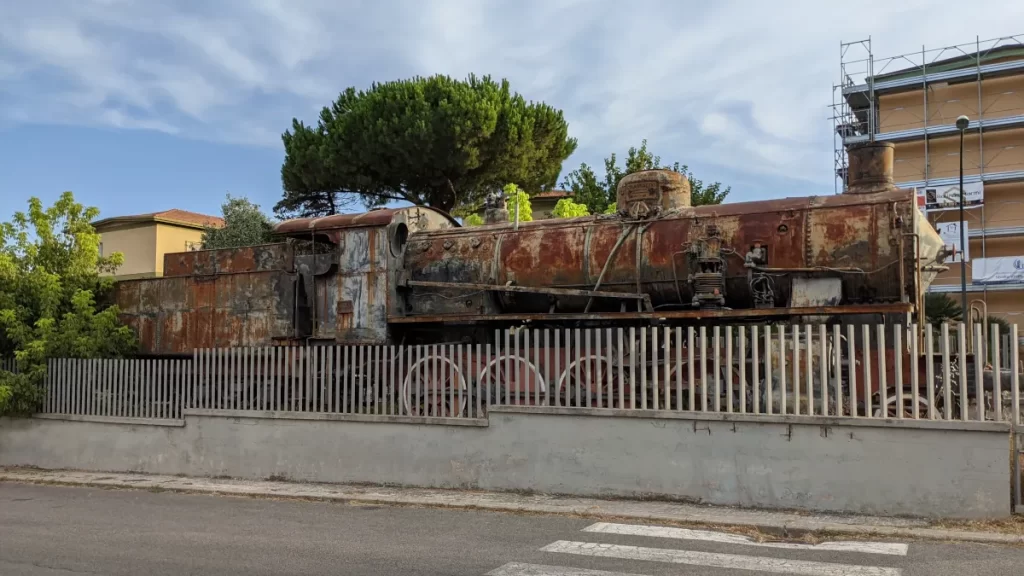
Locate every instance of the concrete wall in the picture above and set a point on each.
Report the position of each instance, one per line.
(170, 239)
(137, 242)
(921, 469)
(145, 244)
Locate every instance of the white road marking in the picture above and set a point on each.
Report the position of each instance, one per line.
(729, 561)
(517, 569)
(892, 549)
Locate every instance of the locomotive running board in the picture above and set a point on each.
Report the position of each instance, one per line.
(899, 308)
(644, 298)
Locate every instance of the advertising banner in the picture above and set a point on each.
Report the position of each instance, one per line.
(939, 198)
(1000, 270)
(950, 234)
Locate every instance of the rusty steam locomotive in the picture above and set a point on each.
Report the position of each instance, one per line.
(414, 275)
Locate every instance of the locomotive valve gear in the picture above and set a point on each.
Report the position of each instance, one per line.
(708, 276)
(757, 256)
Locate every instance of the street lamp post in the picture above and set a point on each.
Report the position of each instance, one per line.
(961, 123)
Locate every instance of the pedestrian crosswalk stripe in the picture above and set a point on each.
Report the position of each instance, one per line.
(890, 548)
(517, 569)
(728, 561)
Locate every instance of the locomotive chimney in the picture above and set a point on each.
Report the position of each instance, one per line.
(495, 207)
(870, 168)
(650, 192)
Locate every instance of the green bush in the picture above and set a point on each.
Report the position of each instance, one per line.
(50, 267)
(517, 196)
(566, 208)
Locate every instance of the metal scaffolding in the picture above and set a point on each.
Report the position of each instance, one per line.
(863, 77)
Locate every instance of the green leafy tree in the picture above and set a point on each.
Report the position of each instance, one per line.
(513, 195)
(433, 141)
(244, 225)
(1004, 325)
(599, 194)
(566, 208)
(49, 284)
(588, 190)
(516, 196)
(941, 308)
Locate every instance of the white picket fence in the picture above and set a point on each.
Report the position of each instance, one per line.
(863, 371)
(136, 388)
(850, 371)
(427, 381)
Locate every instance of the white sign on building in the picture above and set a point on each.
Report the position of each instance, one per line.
(950, 234)
(1000, 270)
(939, 198)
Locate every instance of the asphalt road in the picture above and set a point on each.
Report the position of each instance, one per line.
(58, 531)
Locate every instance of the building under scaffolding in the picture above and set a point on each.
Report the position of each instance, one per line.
(913, 101)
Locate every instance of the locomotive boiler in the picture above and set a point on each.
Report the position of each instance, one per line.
(414, 274)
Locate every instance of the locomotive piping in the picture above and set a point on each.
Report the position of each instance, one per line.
(639, 254)
(745, 314)
(622, 238)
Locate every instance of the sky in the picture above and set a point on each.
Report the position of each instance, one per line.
(139, 106)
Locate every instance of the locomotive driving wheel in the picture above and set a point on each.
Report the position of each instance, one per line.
(430, 385)
(892, 408)
(594, 372)
(503, 384)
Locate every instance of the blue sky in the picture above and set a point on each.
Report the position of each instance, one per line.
(139, 106)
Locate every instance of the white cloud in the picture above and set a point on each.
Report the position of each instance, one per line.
(118, 119)
(735, 86)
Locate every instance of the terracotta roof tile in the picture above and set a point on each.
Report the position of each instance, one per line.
(190, 217)
(173, 216)
(553, 194)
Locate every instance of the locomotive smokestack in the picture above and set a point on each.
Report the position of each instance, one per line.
(495, 208)
(870, 168)
(651, 192)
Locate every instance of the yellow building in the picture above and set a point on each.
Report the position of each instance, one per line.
(145, 238)
(914, 100)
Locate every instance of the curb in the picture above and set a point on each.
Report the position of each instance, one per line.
(783, 529)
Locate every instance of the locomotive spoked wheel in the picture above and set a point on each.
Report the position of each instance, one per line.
(430, 385)
(593, 375)
(892, 409)
(499, 375)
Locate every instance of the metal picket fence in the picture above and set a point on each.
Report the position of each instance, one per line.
(868, 371)
(425, 381)
(135, 388)
(8, 365)
(1018, 471)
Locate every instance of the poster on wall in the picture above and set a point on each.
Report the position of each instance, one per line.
(950, 234)
(999, 270)
(939, 198)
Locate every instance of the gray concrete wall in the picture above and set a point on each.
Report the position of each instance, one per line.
(927, 469)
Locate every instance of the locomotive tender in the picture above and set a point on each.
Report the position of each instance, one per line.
(414, 275)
